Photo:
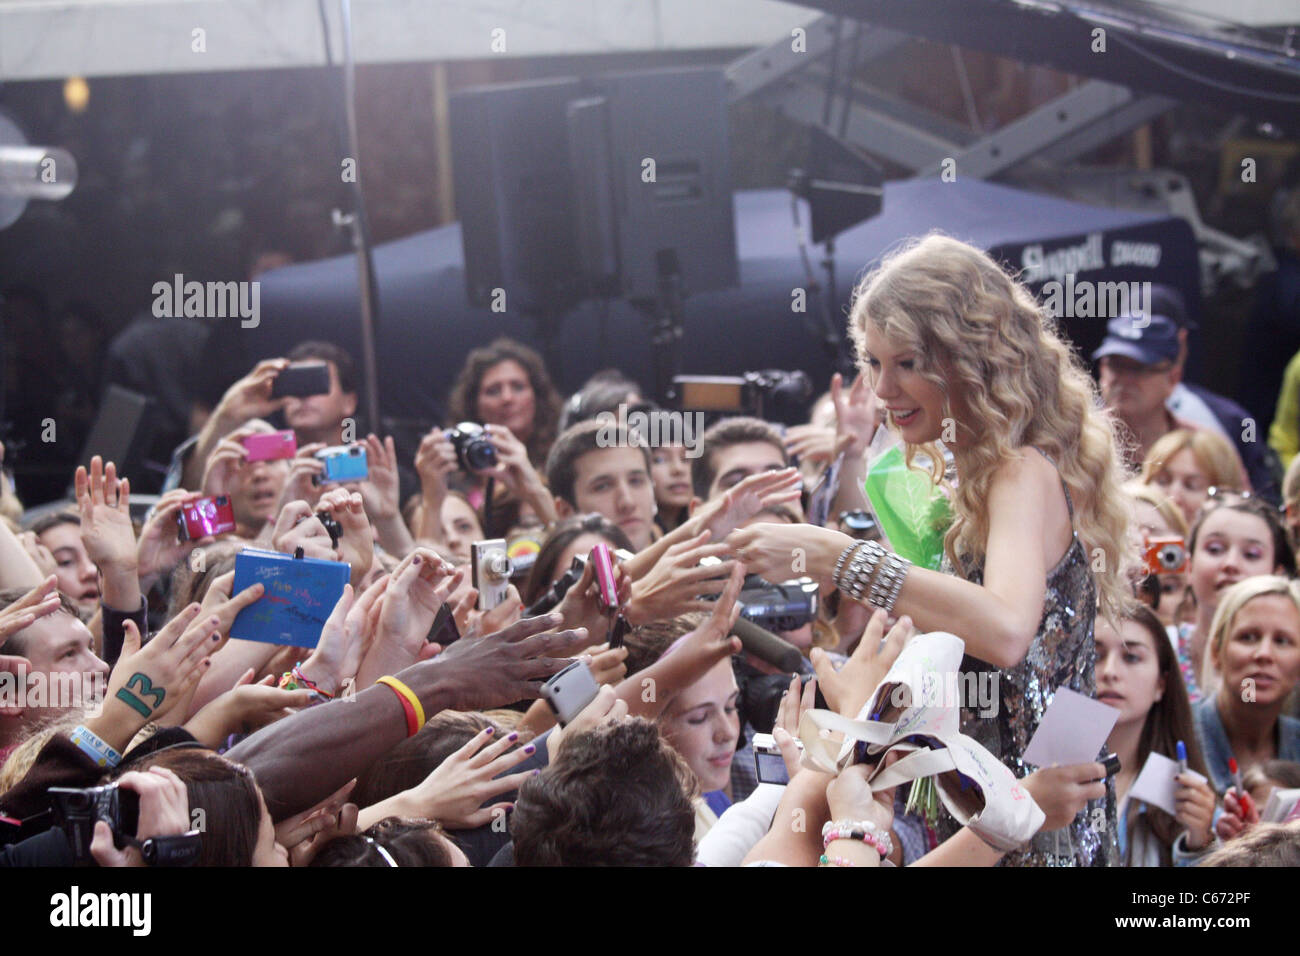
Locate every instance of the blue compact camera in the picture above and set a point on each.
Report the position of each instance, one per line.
(343, 463)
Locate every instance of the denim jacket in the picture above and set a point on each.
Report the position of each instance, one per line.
(1217, 750)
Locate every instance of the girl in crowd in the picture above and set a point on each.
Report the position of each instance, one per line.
(573, 536)
(1255, 647)
(670, 471)
(1137, 673)
(1186, 464)
(959, 352)
(1234, 538)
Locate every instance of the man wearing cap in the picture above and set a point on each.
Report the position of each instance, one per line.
(1138, 369)
(1141, 365)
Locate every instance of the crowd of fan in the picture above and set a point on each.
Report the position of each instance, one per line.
(382, 747)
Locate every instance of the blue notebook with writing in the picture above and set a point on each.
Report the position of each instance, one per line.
(300, 596)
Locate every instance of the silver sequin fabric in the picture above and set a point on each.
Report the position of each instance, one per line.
(1063, 654)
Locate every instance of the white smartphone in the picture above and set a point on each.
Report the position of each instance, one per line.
(570, 690)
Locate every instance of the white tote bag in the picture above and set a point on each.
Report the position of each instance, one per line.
(914, 711)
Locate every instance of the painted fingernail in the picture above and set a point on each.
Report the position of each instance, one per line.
(512, 738)
(491, 730)
(530, 749)
(536, 772)
(416, 559)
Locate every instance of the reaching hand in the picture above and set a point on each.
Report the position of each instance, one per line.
(810, 443)
(304, 471)
(848, 689)
(605, 708)
(712, 641)
(454, 793)
(794, 704)
(105, 504)
(250, 397)
(36, 603)
(411, 599)
(510, 665)
(729, 511)
(303, 834)
(159, 549)
(678, 582)
(380, 491)
(857, 415)
(357, 546)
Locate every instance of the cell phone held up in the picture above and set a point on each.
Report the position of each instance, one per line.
(490, 570)
(602, 559)
(205, 518)
(569, 691)
(302, 380)
(342, 463)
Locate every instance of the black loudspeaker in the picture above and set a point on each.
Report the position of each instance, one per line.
(662, 137)
(510, 163)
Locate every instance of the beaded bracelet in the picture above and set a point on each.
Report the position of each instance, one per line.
(834, 861)
(864, 830)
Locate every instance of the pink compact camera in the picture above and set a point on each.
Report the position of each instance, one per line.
(603, 560)
(206, 517)
(273, 446)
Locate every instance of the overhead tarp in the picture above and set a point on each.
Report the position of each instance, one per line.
(427, 325)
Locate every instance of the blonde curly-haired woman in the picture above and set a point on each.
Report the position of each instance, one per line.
(958, 352)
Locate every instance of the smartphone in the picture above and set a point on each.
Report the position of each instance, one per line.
(490, 568)
(569, 691)
(273, 446)
(343, 463)
(769, 765)
(205, 517)
(603, 561)
(299, 381)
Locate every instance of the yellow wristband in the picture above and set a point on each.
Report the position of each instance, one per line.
(410, 697)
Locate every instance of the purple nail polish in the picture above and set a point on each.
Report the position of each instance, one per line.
(491, 730)
(513, 737)
(530, 749)
(536, 772)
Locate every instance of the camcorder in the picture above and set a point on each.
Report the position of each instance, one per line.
(787, 606)
(76, 811)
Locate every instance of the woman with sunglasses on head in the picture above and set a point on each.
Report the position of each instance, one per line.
(1235, 537)
(1185, 464)
(958, 352)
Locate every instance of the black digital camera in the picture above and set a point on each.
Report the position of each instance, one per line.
(76, 811)
(787, 606)
(474, 450)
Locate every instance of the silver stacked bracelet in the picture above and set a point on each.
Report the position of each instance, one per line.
(868, 573)
(887, 584)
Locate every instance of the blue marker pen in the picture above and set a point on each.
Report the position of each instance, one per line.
(1182, 757)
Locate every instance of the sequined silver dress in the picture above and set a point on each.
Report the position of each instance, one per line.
(1063, 654)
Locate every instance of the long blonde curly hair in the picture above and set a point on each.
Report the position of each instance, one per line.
(980, 334)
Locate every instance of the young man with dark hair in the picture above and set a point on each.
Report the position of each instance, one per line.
(615, 796)
(58, 651)
(733, 449)
(596, 466)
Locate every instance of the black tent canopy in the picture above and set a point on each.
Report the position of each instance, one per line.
(426, 325)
